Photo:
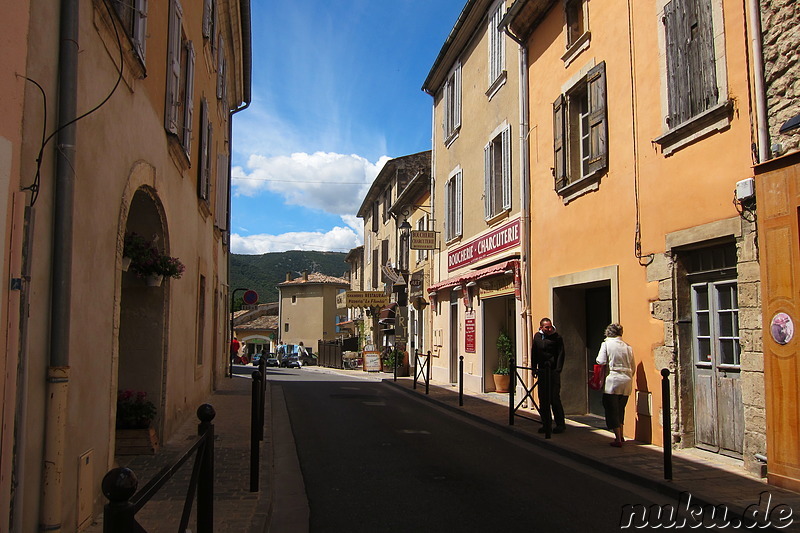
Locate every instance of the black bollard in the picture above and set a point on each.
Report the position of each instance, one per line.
(119, 485)
(416, 360)
(666, 423)
(512, 369)
(428, 373)
(460, 380)
(205, 480)
(255, 431)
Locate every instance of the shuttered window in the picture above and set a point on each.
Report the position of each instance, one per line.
(452, 104)
(691, 69)
(133, 18)
(206, 150)
(221, 66)
(221, 211)
(453, 214)
(580, 130)
(497, 174)
(497, 49)
(179, 107)
(210, 22)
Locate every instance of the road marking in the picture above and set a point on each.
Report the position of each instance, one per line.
(415, 431)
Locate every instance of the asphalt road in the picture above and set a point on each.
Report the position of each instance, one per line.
(375, 460)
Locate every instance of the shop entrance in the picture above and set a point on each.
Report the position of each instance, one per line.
(581, 314)
(498, 315)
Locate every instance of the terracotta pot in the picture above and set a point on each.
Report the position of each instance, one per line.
(502, 382)
(154, 280)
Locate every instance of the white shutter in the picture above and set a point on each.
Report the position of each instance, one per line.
(487, 181)
(457, 103)
(140, 27)
(210, 152)
(188, 100)
(173, 66)
(220, 68)
(207, 14)
(459, 215)
(506, 142)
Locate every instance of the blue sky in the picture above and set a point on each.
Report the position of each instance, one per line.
(336, 92)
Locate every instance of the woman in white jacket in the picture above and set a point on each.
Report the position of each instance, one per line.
(617, 355)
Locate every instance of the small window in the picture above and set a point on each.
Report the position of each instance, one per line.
(294, 298)
(206, 153)
(133, 18)
(452, 199)
(576, 24)
(180, 80)
(387, 203)
(580, 130)
(286, 327)
(497, 48)
(497, 165)
(210, 22)
(451, 121)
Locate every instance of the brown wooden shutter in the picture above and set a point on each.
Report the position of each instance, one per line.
(598, 119)
(704, 75)
(559, 148)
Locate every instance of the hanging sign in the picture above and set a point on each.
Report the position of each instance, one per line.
(353, 299)
(469, 333)
(423, 240)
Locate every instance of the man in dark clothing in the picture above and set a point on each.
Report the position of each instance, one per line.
(548, 358)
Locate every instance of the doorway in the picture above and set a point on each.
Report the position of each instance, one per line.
(454, 336)
(498, 315)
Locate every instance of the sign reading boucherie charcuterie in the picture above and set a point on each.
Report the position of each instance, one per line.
(361, 299)
(502, 238)
(423, 240)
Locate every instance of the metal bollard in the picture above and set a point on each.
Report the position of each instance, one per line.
(119, 485)
(512, 369)
(255, 431)
(666, 423)
(416, 360)
(460, 380)
(428, 373)
(548, 428)
(205, 481)
(394, 365)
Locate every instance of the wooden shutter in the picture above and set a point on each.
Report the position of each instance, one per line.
(677, 33)
(221, 68)
(506, 143)
(559, 147)
(173, 67)
(488, 188)
(188, 100)
(598, 119)
(202, 172)
(459, 215)
(208, 12)
(457, 92)
(221, 211)
(704, 89)
(140, 27)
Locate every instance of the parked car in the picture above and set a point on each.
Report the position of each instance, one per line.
(291, 361)
(272, 360)
(309, 359)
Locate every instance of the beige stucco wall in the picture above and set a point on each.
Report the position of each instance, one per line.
(691, 187)
(312, 316)
(120, 147)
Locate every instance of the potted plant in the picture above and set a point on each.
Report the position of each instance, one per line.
(150, 264)
(134, 410)
(505, 350)
(135, 249)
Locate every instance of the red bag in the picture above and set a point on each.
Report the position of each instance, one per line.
(598, 377)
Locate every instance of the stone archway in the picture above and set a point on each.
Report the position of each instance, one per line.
(143, 311)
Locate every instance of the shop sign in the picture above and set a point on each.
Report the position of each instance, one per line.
(496, 241)
(469, 333)
(372, 361)
(423, 240)
(496, 286)
(415, 283)
(353, 299)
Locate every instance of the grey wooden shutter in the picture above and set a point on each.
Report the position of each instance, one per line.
(559, 148)
(221, 68)
(173, 67)
(207, 14)
(488, 189)
(202, 172)
(506, 142)
(188, 100)
(704, 89)
(457, 107)
(459, 213)
(677, 32)
(598, 118)
(140, 27)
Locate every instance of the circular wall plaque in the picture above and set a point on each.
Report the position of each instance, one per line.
(781, 328)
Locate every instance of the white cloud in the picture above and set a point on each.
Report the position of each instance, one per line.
(330, 182)
(338, 239)
(354, 222)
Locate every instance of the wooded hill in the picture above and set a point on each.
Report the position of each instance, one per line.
(262, 273)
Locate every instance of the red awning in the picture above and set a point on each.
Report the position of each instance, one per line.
(466, 277)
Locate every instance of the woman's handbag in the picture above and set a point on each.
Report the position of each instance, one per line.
(598, 377)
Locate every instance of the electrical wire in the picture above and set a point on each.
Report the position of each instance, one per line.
(35, 186)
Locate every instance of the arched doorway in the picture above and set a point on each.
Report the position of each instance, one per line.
(143, 312)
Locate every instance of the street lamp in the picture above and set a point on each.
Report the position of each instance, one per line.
(405, 245)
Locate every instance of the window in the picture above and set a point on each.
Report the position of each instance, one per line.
(497, 44)
(374, 217)
(691, 71)
(294, 298)
(133, 16)
(716, 324)
(180, 80)
(222, 85)
(210, 22)
(368, 246)
(286, 327)
(576, 27)
(580, 130)
(422, 225)
(221, 211)
(452, 206)
(497, 173)
(375, 269)
(206, 151)
(452, 104)
(387, 203)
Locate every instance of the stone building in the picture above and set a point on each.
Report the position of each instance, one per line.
(307, 308)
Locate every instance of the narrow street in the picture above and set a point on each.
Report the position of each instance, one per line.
(375, 460)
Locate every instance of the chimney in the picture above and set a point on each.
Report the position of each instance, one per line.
(288, 276)
(305, 275)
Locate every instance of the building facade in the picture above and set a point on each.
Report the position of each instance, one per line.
(135, 101)
(478, 198)
(308, 311)
(640, 134)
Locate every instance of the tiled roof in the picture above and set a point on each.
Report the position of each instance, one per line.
(263, 323)
(316, 277)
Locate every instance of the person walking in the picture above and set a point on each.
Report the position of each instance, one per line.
(235, 346)
(548, 359)
(617, 355)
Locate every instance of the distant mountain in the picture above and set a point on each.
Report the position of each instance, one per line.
(262, 273)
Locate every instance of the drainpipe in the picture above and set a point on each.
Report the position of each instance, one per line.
(50, 512)
(756, 52)
(524, 192)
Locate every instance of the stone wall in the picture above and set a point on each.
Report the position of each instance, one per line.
(780, 26)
